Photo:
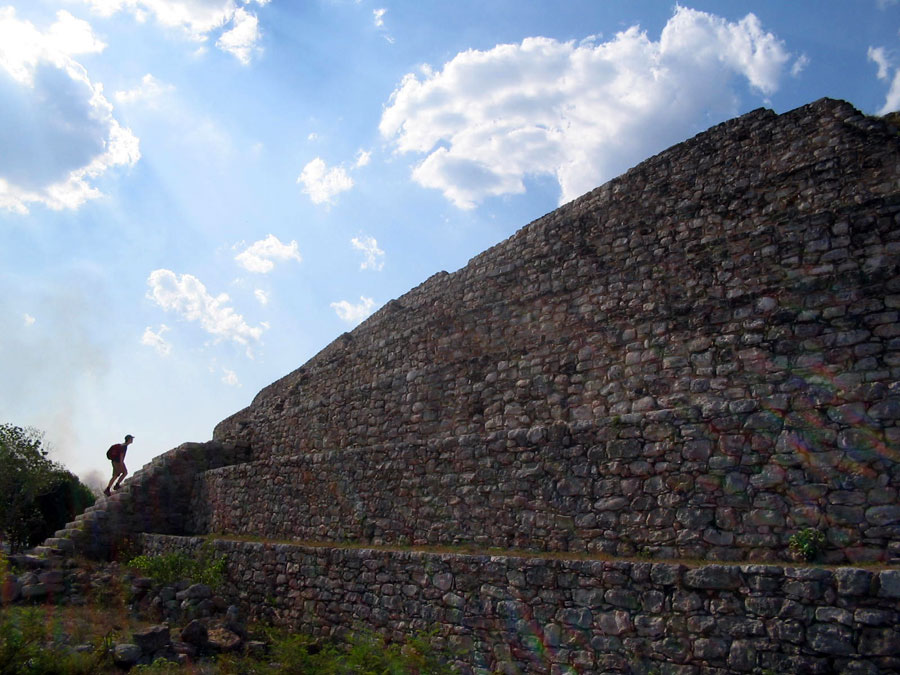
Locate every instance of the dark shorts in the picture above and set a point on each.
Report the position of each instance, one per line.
(118, 466)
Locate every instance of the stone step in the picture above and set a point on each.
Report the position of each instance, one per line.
(61, 543)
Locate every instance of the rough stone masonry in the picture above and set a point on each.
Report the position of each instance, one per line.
(698, 359)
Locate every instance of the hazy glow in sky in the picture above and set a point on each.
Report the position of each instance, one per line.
(196, 196)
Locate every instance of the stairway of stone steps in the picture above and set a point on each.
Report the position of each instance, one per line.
(135, 506)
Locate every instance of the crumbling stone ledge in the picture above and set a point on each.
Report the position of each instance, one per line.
(556, 615)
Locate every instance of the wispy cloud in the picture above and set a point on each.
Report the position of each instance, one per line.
(581, 112)
(156, 340)
(354, 314)
(260, 256)
(378, 18)
(150, 90)
(57, 130)
(882, 58)
(29, 320)
(323, 184)
(187, 296)
(373, 256)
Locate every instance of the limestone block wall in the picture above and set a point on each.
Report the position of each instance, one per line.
(735, 486)
(755, 264)
(506, 614)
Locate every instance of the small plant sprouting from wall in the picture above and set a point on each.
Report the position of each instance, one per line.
(807, 544)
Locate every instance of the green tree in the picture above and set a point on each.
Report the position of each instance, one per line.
(37, 495)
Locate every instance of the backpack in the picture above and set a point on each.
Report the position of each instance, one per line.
(113, 452)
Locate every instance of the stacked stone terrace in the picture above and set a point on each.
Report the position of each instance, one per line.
(699, 358)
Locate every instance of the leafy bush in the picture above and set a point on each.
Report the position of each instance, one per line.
(807, 544)
(170, 568)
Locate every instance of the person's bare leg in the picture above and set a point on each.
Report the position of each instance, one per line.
(109, 484)
(121, 477)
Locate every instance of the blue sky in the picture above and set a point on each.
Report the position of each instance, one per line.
(196, 196)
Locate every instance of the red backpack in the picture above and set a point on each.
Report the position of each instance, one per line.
(115, 452)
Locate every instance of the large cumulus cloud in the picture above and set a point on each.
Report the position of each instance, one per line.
(57, 130)
(581, 112)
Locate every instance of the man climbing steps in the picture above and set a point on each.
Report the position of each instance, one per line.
(116, 454)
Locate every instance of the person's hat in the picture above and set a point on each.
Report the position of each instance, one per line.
(127, 436)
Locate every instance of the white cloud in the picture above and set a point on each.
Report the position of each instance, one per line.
(188, 297)
(57, 130)
(73, 36)
(879, 56)
(261, 296)
(362, 158)
(378, 16)
(150, 89)
(799, 65)
(323, 184)
(884, 4)
(259, 257)
(581, 112)
(156, 340)
(230, 378)
(354, 313)
(374, 256)
(241, 40)
(29, 320)
(199, 19)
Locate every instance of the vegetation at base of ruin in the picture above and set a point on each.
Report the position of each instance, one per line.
(40, 640)
(207, 568)
(37, 495)
(364, 653)
(807, 544)
(37, 640)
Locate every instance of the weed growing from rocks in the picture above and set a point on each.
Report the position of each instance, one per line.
(807, 544)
